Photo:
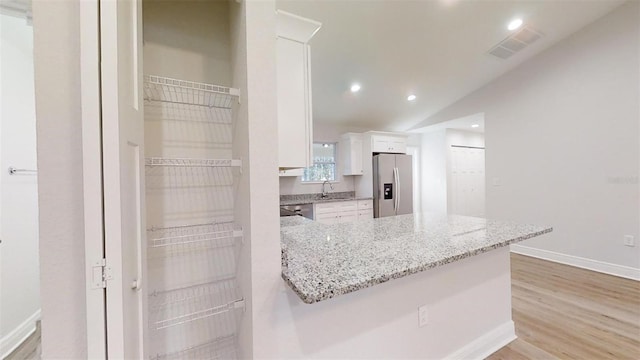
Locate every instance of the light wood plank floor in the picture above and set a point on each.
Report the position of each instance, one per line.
(563, 312)
(30, 348)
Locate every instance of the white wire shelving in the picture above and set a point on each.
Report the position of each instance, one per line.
(188, 162)
(181, 306)
(210, 235)
(163, 89)
(195, 304)
(222, 348)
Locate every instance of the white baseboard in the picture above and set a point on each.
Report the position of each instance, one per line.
(12, 340)
(486, 344)
(584, 263)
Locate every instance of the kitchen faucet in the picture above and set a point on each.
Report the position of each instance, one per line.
(324, 193)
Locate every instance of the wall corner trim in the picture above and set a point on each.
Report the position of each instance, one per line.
(622, 271)
(486, 344)
(18, 335)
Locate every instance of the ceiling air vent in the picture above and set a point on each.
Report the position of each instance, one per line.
(516, 42)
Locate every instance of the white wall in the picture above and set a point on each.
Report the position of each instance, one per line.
(562, 135)
(329, 133)
(464, 300)
(191, 34)
(464, 138)
(253, 31)
(434, 172)
(19, 265)
(62, 271)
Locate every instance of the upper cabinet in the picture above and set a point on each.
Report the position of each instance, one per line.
(295, 123)
(351, 154)
(389, 144)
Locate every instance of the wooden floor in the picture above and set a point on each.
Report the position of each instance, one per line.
(563, 312)
(30, 348)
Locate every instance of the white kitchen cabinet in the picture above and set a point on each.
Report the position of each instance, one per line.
(295, 123)
(336, 212)
(351, 154)
(329, 218)
(388, 144)
(343, 211)
(365, 209)
(291, 172)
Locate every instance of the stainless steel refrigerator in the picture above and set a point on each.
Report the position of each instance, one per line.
(392, 185)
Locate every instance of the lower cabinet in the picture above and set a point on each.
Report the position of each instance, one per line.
(343, 211)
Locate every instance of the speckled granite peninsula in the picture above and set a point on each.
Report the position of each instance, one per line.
(323, 261)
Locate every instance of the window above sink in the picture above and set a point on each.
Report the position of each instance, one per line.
(324, 164)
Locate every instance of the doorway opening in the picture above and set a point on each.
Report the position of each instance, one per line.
(19, 236)
(452, 166)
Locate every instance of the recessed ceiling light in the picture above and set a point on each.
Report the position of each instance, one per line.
(355, 87)
(475, 125)
(411, 97)
(325, 145)
(514, 24)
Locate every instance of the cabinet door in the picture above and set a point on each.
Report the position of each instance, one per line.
(380, 144)
(348, 216)
(327, 218)
(291, 172)
(365, 214)
(398, 146)
(294, 127)
(356, 156)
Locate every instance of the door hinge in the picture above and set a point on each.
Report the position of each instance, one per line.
(101, 273)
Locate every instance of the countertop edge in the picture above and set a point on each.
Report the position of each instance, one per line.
(320, 201)
(313, 298)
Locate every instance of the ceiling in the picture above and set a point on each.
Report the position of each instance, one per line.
(435, 49)
(473, 123)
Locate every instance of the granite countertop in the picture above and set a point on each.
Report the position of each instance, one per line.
(301, 199)
(296, 220)
(321, 261)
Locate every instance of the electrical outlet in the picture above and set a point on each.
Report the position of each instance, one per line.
(629, 241)
(423, 315)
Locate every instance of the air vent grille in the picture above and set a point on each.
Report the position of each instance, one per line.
(516, 42)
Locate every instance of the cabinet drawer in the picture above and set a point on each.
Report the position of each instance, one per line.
(365, 204)
(326, 208)
(347, 206)
(326, 216)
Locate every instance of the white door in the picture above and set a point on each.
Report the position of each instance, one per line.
(467, 181)
(123, 164)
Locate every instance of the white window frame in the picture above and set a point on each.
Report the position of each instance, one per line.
(335, 164)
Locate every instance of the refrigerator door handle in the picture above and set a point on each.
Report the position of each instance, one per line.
(395, 189)
(398, 190)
